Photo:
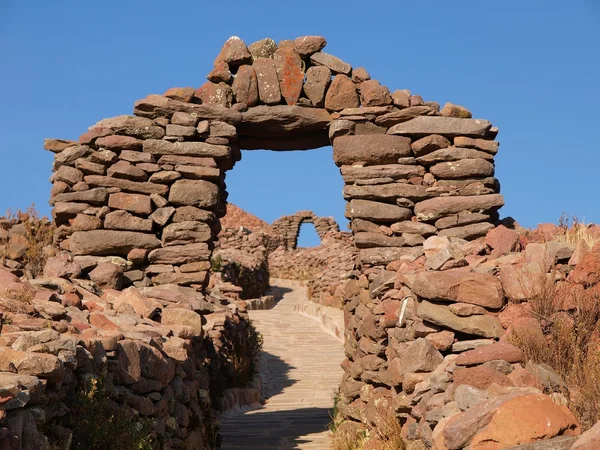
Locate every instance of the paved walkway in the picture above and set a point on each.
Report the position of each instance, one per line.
(300, 370)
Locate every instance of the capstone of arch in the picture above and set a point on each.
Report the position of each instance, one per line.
(149, 188)
(287, 228)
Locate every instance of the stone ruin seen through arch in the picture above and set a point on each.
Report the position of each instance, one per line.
(150, 188)
(287, 228)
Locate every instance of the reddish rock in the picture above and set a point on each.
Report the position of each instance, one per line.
(512, 312)
(441, 340)
(480, 377)
(587, 271)
(234, 52)
(341, 94)
(451, 110)
(318, 79)
(499, 351)
(372, 93)
(268, 83)
(436, 208)
(215, 94)
(108, 242)
(119, 143)
(220, 73)
(526, 419)
(360, 75)
(107, 276)
(502, 240)
(307, 45)
(335, 64)
(62, 266)
(590, 440)
(185, 94)
(460, 286)
(369, 149)
(245, 86)
(136, 203)
(289, 71)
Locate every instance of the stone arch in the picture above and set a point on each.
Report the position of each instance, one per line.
(150, 188)
(287, 228)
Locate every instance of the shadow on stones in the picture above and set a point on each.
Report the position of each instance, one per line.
(275, 430)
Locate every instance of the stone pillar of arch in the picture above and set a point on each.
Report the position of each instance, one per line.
(149, 188)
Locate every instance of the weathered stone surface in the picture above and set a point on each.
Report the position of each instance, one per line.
(268, 83)
(557, 443)
(372, 93)
(463, 218)
(525, 419)
(589, 440)
(123, 169)
(459, 286)
(380, 212)
(453, 154)
(139, 127)
(29, 363)
(317, 81)
(335, 64)
(127, 185)
(119, 143)
(464, 168)
(283, 121)
(402, 115)
(451, 110)
(57, 145)
(234, 52)
(390, 191)
(186, 233)
(122, 220)
(68, 174)
(395, 171)
(107, 276)
(485, 326)
(265, 48)
(184, 94)
(245, 86)
(159, 106)
(341, 94)
(200, 193)
(439, 207)
(108, 242)
(307, 45)
(409, 226)
(499, 351)
(480, 144)
(160, 147)
(215, 94)
(385, 255)
(369, 150)
(368, 240)
(181, 316)
(136, 203)
(468, 232)
(180, 254)
(96, 196)
(446, 126)
(289, 71)
(220, 73)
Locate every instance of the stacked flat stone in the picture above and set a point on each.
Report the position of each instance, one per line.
(148, 191)
(287, 228)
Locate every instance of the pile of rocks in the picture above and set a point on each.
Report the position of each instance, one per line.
(166, 353)
(324, 269)
(428, 340)
(287, 228)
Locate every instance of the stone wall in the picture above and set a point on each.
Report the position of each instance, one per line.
(287, 228)
(150, 188)
(70, 354)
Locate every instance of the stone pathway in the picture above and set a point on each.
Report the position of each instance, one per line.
(300, 370)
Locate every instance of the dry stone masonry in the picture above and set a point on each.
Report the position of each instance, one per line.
(287, 228)
(422, 305)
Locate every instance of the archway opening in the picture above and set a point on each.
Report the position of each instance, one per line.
(308, 236)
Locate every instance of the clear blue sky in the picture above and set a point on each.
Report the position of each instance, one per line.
(531, 67)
